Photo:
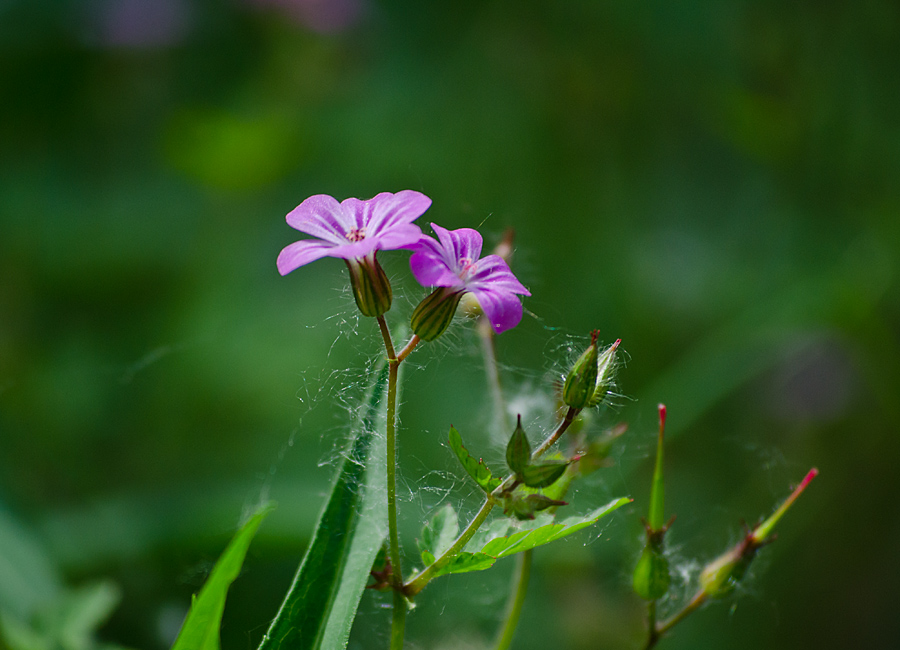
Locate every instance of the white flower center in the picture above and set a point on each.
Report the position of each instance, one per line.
(355, 235)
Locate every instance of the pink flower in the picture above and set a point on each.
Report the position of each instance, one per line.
(353, 229)
(453, 262)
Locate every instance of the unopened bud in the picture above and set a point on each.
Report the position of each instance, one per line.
(721, 576)
(606, 367)
(371, 288)
(581, 381)
(433, 315)
(651, 575)
(518, 450)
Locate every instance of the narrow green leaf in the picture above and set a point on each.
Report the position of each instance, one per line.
(201, 627)
(541, 475)
(439, 532)
(482, 555)
(518, 451)
(320, 605)
(474, 468)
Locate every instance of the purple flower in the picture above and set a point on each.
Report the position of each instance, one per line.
(452, 262)
(353, 229)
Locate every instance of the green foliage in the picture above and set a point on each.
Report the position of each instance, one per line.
(541, 475)
(201, 627)
(482, 552)
(320, 605)
(67, 623)
(474, 468)
(438, 534)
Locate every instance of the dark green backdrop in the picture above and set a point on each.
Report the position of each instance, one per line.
(714, 183)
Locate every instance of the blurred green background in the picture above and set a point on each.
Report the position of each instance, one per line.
(715, 183)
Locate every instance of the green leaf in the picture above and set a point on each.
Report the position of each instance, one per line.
(518, 451)
(465, 562)
(439, 533)
(481, 555)
(201, 627)
(320, 605)
(474, 468)
(541, 475)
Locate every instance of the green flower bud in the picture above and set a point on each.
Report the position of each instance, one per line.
(605, 369)
(433, 315)
(590, 376)
(651, 575)
(518, 450)
(371, 288)
(582, 379)
(721, 576)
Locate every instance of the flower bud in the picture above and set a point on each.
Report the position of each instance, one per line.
(433, 315)
(371, 288)
(720, 577)
(605, 368)
(651, 575)
(582, 379)
(518, 450)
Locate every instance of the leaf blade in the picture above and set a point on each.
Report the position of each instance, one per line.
(200, 630)
(474, 468)
(319, 608)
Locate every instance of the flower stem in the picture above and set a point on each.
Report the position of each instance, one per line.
(398, 624)
(413, 342)
(561, 429)
(656, 631)
(514, 607)
(492, 370)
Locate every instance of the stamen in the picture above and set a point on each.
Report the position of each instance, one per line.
(355, 235)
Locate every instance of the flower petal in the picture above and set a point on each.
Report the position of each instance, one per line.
(464, 243)
(303, 252)
(385, 212)
(494, 272)
(323, 217)
(431, 270)
(502, 308)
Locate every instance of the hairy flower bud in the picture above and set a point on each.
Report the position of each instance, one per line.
(433, 315)
(371, 288)
(605, 369)
(582, 379)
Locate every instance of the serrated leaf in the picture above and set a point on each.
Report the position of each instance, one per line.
(476, 559)
(200, 630)
(320, 605)
(466, 562)
(439, 533)
(474, 468)
(518, 450)
(541, 475)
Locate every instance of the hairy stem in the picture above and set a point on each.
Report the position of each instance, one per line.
(658, 630)
(399, 617)
(517, 600)
(561, 429)
(418, 582)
